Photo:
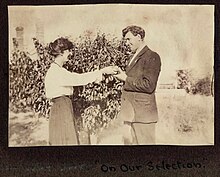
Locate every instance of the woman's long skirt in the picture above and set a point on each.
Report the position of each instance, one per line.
(62, 130)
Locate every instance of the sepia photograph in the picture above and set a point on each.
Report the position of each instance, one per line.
(111, 74)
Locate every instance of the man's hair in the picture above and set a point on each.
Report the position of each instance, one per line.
(135, 30)
(59, 46)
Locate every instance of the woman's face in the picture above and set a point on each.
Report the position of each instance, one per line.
(65, 55)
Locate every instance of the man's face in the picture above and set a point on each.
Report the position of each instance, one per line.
(133, 41)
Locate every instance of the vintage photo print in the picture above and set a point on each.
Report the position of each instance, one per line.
(111, 74)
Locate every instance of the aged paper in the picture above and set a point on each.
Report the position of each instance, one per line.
(182, 35)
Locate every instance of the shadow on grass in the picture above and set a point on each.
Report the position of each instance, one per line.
(22, 130)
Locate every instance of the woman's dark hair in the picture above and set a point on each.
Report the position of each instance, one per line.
(59, 46)
(135, 30)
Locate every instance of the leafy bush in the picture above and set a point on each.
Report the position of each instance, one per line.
(97, 104)
(193, 85)
(26, 78)
(183, 80)
(201, 86)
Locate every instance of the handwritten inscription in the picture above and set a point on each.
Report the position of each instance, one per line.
(151, 166)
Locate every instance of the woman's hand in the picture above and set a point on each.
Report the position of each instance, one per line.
(110, 70)
(121, 76)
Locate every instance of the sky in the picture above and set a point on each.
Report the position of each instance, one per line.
(183, 35)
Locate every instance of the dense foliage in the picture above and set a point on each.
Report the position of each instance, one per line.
(26, 76)
(193, 85)
(97, 104)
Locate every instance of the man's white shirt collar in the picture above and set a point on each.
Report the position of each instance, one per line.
(137, 52)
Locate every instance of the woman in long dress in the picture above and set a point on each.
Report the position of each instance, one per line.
(59, 86)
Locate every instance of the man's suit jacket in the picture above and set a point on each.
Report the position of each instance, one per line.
(140, 85)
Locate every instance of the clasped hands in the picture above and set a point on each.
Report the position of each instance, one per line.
(115, 71)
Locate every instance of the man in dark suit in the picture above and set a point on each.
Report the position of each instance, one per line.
(138, 103)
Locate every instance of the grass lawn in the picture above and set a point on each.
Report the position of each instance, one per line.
(26, 129)
(183, 120)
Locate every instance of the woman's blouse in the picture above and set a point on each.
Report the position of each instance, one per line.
(59, 81)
